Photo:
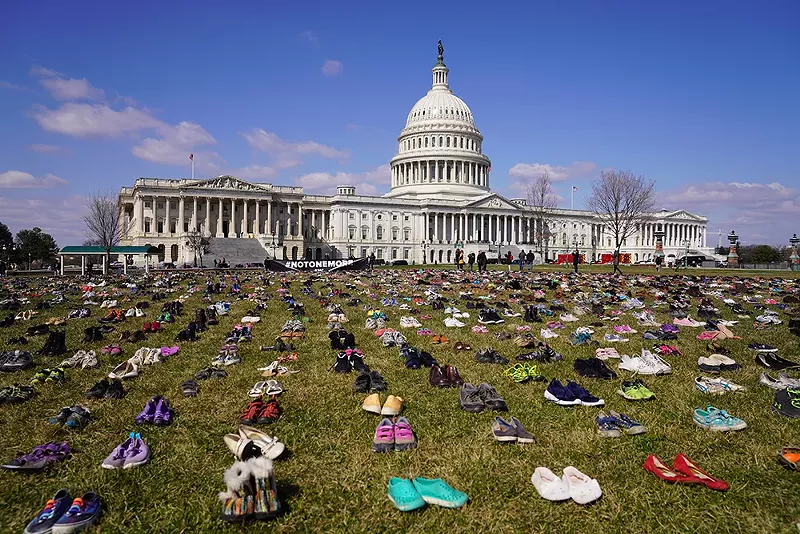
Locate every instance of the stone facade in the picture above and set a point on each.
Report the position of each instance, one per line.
(439, 199)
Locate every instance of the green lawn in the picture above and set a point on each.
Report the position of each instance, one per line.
(332, 482)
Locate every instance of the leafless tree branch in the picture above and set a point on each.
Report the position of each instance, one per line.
(103, 221)
(199, 243)
(542, 200)
(623, 202)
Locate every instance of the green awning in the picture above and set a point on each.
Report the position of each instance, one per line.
(114, 250)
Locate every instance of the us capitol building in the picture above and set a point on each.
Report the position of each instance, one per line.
(440, 199)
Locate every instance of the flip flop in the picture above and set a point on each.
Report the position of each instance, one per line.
(273, 387)
(258, 389)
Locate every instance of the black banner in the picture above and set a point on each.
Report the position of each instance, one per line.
(317, 265)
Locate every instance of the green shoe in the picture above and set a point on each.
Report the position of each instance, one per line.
(517, 373)
(41, 376)
(532, 371)
(636, 390)
(436, 491)
(404, 495)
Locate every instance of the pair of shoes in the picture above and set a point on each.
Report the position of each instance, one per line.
(787, 402)
(508, 431)
(106, 389)
(716, 363)
(593, 368)
(62, 514)
(612, 425)
(210, 372)
(258, 411)
(408, 495)
(523, 372)
(190, 388)
(489, 355)
(570, 395)
(251, 491)
(40, 457)
(157, 411)
(393, 435)
(15, 360)
(683, 471)
(71, 416)
(132, 452)
(717, 420)
(349, 360)
(772, 360)
(49, 376)
(250, 442)
(371, 381)
(16, 394)
(81, 359)
(718, 385)
(392, 406)
(445, 377)
(572, 485)
(270, 388)
(475, 399)
(635, 390)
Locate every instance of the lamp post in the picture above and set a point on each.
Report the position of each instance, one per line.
(424, 246)
(659, 235)
(794, 259)
(733, 256)
(274, 246)
(685, 244)
(547, 235)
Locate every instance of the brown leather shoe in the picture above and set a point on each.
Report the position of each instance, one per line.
(452, 376)
(438, 378)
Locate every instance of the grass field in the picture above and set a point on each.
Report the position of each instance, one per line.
(332, 482)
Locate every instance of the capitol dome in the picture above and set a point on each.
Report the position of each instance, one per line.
(439, 151)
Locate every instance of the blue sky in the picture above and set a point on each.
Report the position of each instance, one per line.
(699, 96)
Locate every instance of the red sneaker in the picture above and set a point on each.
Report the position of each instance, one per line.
(270, 412)
(250, 414)
(146, 327)
(654, 464)
(685, 466)
(155, 326)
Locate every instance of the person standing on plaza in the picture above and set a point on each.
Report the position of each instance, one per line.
(481, 261)
(576, 260)
(371, 261)
(659, 261)
(471, 260)
(522, 260)
(615, 258)
(530, 258)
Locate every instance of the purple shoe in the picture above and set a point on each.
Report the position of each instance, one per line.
(40, 457)
(148, 414)
(137, 454)
(116, 459)
(163, 414)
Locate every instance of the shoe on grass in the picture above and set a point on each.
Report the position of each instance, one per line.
(582, 488)
(717, 420)
(116, 459)
(470, 399)
(635, 390)
(190, 388)
(137, 453)
(607, 426)
(523, 436)
(686, 467)
(558, 393)
(392, 406)
(270, 447)
(549, 486)
(372, 403)
(787, 403)
(384, 436)
(404, 495)
(270, 412)
(241, 446)
(655, 465)
(437, 491)
(789, 457)
(84, 512)
(377, 382)
(623, 422)
(404, 438)
(250, 414)
(52, 512)
(491, 399)
(503, 431)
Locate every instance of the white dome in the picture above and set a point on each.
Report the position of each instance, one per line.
(439, 105)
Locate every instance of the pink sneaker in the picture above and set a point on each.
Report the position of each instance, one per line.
(384, 436)
(403, 435)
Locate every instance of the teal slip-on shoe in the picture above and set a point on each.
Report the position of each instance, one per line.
(436, 491)
(404, 495)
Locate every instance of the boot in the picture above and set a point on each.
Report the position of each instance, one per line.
(61, 344)
(251, 491)
(48, 344)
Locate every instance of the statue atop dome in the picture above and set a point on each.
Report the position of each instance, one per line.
(440, 59)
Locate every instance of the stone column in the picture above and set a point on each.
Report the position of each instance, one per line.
(140, 214)
(245, 222)
(193, 220)
(269, 217)
(232, 219)
(181, 219)
(219, 220)
(300, 220)
(207, 220)
(436, 238)
(257, 229)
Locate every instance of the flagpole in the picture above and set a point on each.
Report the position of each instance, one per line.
(571, 196)
(192, 168)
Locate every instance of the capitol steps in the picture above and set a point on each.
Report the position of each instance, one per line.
(235, 251)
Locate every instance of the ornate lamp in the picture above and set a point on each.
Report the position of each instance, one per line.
(733, 256)
(660, 233)
(794, 259)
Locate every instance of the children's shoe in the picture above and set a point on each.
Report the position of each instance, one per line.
(50, 514)
(384, 436)
(523, 436)
(372, 404)
(137, 453)
(403, 435)
(582, 488)
(607, 426)
(631, 427)
(436, 491)
(116, 459)
(84, 512)
(404, 495)
(251, 491)
(392, 406)
(549, 486)
(503, 431)
(717, 420)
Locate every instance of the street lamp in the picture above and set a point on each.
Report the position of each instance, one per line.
(274, 246)
(547, 235)
(424, 246)
(794, 259)
(685, 244)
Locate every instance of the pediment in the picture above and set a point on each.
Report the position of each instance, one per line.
(228, 182)
(684, 215)
(494, 202)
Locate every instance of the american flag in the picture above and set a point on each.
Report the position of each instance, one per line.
(191, 157)
(574, 188)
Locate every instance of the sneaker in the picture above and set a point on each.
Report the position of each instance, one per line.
(717, 420)
(404, 495)
(436, 491)
(83, 513)
(147, 415)
(372, 404)
(503, 431)
(717, 385)
(137, 453)
(470, 399)
(116, 459)
(631, 427)
(787, 403)
(635, 390)
(584, 397)
(559, 394)
(115, 390)
(403, 435)
(392, 406)
(50, 514)
(523, 436)
(384, 436)
(163, 415)
(607, 426)
(491, 399)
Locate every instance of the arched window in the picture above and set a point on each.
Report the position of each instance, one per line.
(351, 232)
(441, 141)
(564, 239)
(448, 140)
(395, 233)
(462, 142)
(406, 234)
(426, 142)
(379, 232)
(364, 232)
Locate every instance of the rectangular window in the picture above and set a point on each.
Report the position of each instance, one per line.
(405, 254)
(147, 204)
(405, 218)
(352, 215)
(394, 253)
(363, 233)
(364, 252)
(394, 217)
(379, 254)
(363, 215)
(160, 227)
(406, 234)
(147, 226)
(352, 233)
(185, 226)
(172, 227)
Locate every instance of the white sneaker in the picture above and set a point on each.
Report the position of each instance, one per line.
(546, 333)
(637, 365)
(453, 323)
(582, 488)
(139, 312)
(549, 486)
(657, 362)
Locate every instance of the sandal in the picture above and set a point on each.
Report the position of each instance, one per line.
(190, 388)
(458, 346)
(273, 387)
(436, 339)
(258, 389)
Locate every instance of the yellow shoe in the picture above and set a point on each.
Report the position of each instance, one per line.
(392, 406)
(372, 403)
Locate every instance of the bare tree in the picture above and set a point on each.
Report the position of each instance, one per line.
(103, 221)
(199, 243)
(542, 200)
(623, 202)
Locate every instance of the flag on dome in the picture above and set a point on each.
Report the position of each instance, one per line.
(191, 157)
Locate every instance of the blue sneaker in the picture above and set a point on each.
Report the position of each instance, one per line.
(83, 513)
(631, 427)
(717, 420)
(559, 394)
(584, 397)
(52, 512)
(607, 426)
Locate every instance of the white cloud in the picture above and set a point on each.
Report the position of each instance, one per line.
(332, 67)
(286, 154)
(24, 180)
(752, 209)
(366, 183)
(48, 149)
(558, 173)
(63, 88)
(254, 172)
(59, 216)
(175, 145)
(93, 120)
(311, 37)
(8, 85)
